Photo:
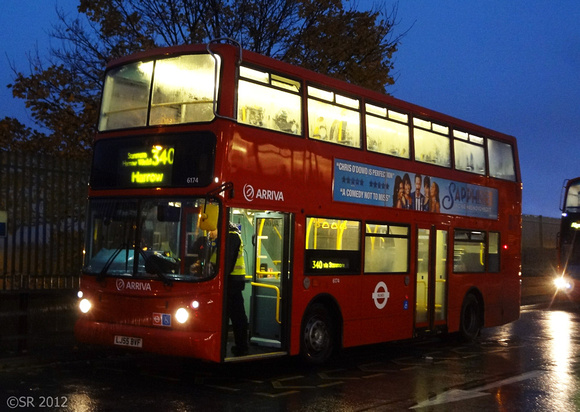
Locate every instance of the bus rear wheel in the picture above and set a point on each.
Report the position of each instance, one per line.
(471, 323)
(317, 338)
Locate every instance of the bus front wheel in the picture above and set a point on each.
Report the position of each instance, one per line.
(317, 341)
(471, 323)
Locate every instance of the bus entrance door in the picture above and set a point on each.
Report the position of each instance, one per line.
(271, 242)
(431, 286)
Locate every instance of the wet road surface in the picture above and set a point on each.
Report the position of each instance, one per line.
(529, 365)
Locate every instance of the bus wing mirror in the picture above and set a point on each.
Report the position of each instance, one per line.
(209, 217)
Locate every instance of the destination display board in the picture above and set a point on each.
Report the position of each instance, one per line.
(146, 166)
(181, 160)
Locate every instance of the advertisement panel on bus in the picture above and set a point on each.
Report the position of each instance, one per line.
(373, 185)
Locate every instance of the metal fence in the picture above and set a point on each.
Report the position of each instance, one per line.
(42, 217)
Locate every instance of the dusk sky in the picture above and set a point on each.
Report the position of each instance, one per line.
(512, 66)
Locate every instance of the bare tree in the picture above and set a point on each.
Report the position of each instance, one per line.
(329, 36)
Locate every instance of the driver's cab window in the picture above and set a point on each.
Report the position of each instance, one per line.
(202, 241)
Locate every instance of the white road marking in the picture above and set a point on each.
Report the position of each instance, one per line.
(454, 395)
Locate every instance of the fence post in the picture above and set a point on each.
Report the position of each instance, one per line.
(22, 322)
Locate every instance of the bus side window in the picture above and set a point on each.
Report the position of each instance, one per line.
(431, 148)
(269, 101)
(333, 117)
(469, 152)
(493, 252)
(386, 248)
(469, 251)
(501, 160)
(387, 131)
(332, 246)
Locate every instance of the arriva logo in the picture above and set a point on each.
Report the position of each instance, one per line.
(132, 285)
(250, 194)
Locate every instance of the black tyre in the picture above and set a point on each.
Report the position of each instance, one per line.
(317, 337)
(471, 322)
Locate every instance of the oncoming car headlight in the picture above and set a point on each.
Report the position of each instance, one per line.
(85, 305)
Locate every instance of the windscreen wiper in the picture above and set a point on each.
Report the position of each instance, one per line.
(109, 262)
(153, 264)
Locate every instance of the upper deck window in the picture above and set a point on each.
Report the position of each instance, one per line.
(333, 117)
(501, 160)
(161, 92)
(125, 96)
(387, 131)
(269, 101)
(431, 143)
(469, 152)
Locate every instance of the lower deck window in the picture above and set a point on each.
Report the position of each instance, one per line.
(493, 255)
(386, 248)
(469, 251)
(476, 251)
(332, 246)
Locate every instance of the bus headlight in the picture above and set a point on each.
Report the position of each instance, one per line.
(562, 283)
(85, 305)
(181, 315)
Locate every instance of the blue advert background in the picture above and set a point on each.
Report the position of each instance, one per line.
(372, 185)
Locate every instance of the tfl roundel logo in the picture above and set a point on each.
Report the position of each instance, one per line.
(381, 295)
(249, 192)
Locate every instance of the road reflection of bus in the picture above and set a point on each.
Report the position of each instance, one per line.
(567, 280)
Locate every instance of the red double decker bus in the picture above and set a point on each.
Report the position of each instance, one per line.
(362, 218)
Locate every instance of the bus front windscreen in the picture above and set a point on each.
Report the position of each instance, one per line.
(572, 204)
(151, 238)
